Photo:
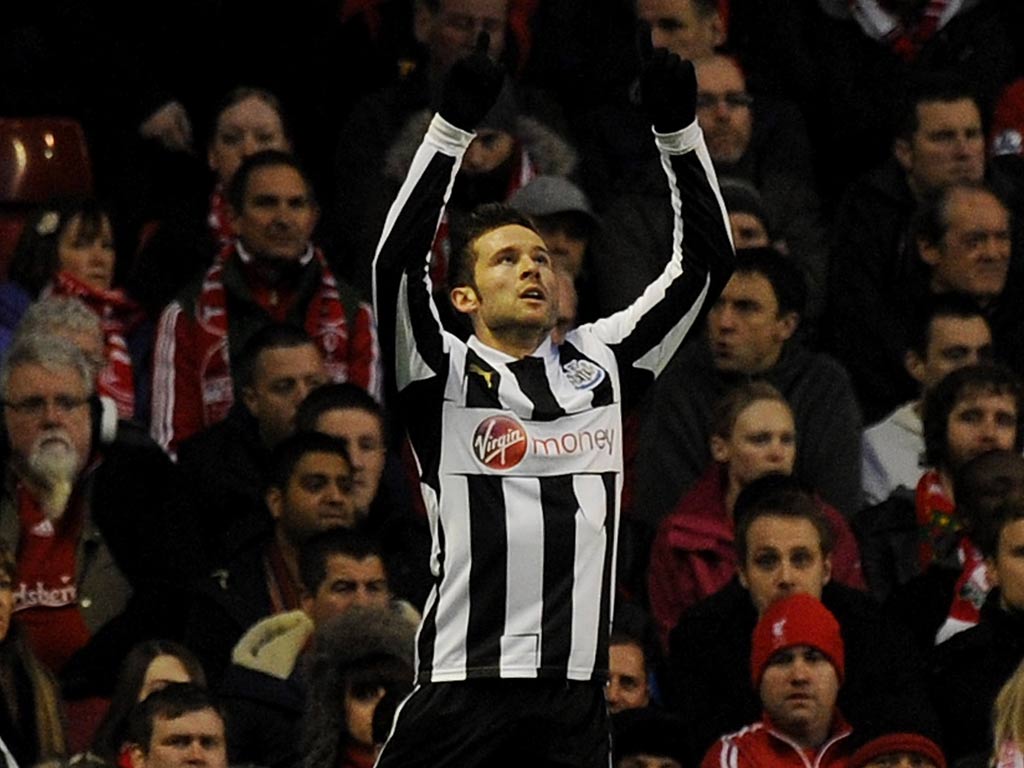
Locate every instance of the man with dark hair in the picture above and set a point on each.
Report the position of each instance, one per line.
(178, 726)
(272, 273)
(518, 442)
(307, 492)
(691, 29)
(968, 670)
(972, 410)
(647, 738)
(265, 688)
(750, 334)
(785, 547)
(879, 269)
(948, 332)
(225, 465)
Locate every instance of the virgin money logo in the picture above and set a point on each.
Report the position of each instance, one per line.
(499, 442)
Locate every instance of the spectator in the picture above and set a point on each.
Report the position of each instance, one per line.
(1008, 723)
(178, 245)
(949, 332)
(784, 546)
(67, 249)
(969, 669)
(31, 721)
(265, 688)
(178, 726)
(226, 465)
(971, 411)
(362, 656)
(694, 553)
(628, 674)
(750, 334)
(898, 749)
(148, 667)
(797, 664)
(646, 738)
(271, 274)
(308, 491)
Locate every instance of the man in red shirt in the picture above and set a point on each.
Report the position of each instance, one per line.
(797, 664)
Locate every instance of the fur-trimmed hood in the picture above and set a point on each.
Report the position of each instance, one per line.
(551, 154)
(272, 645)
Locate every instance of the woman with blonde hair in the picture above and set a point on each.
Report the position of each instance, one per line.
(693, 556)
(1008, 723)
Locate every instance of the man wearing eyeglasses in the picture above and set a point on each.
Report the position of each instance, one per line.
(86, 517)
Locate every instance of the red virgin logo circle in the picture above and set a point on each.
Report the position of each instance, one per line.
(499, 442)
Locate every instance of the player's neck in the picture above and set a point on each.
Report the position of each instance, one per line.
(518, 342)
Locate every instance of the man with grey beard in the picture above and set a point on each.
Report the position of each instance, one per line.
(84, 509)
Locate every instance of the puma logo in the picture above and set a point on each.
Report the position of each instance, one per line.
(487, 376)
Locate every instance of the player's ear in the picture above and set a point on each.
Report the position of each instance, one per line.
(464, 299)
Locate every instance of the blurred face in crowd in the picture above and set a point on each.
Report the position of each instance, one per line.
(360, 704)
(282, 377)
(627, 678)
(316, 498)
(784, 558)
(746, 330)
(973, 256)
(243, 129)
(6, 600)
(278, 214)
(363, 434)
(46, 411)
(798, 690)
(161, 672)
(349, 581)
(1006, 569)
(900, 760)
(87, 255)
(748, 230)
(566, 236)
(682, 26)
(980, 421)
(487, 151)
(452, 31)
(953, 342)
(194, 740)
(948, 146)
(647, 761)
(763, 440)
(723, 108)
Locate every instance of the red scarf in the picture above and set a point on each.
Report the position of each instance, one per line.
(324, 322)
(118, 316)
(938, 525)
(220, 218)
(905, 38)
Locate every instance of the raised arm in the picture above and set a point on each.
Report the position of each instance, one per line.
(646, 334)
(409, 330)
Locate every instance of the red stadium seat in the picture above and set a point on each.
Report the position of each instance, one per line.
(40, 158)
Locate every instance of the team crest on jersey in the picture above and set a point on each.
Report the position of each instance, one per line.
(583, 374)
(499, 442)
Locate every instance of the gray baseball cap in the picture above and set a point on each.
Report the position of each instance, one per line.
(547, 195)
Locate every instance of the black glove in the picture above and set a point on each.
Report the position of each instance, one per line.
(668, 91)
(472, 87)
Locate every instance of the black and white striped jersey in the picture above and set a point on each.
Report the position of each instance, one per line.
(520, 460)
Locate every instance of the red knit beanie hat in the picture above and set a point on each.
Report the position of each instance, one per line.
(898, 742)
(796, 620)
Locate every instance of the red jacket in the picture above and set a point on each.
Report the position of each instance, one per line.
(762, 746)
(694, 555)
(192, 385)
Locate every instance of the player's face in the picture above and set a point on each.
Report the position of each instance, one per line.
(627, 678)
(798, 691)
(763, 440)
(515, 295)
(783, 558)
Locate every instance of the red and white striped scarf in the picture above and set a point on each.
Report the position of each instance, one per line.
(906, 39)
(118, 316)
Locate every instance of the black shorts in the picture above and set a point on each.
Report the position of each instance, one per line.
(498, 723)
